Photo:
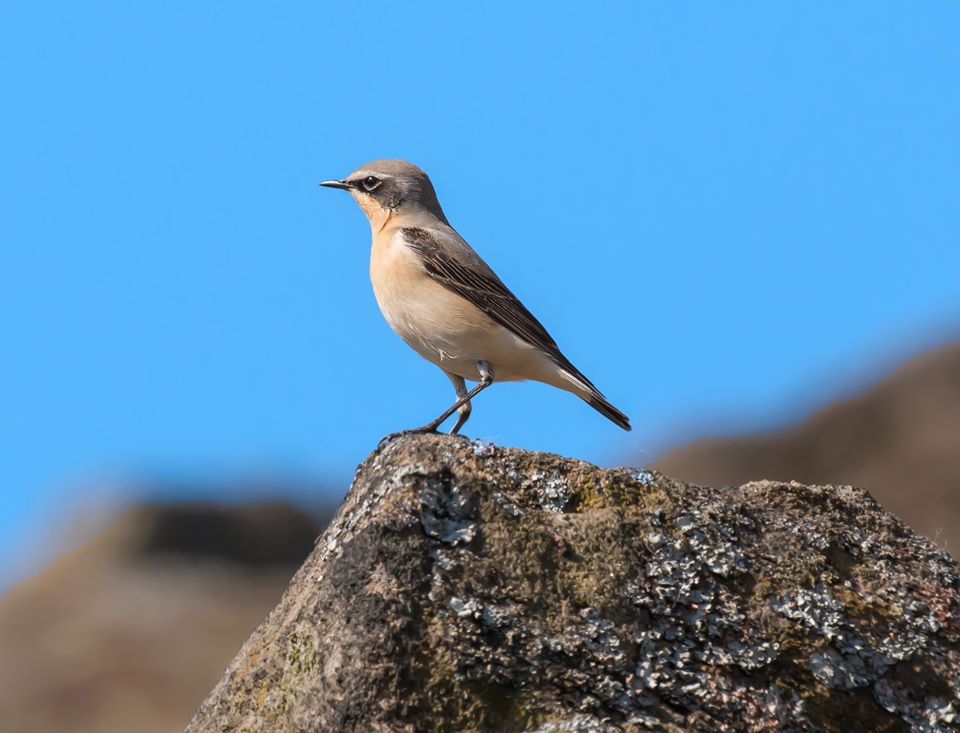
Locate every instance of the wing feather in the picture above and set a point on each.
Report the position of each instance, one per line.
(481, 286)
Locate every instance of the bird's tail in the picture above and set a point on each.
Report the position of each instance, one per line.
(599, 403)
(577, 383)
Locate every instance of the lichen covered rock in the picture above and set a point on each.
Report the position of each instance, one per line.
(467, 587)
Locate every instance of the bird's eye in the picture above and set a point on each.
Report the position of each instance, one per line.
(369, 183)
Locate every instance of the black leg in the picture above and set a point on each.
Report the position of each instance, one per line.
(463, 399)
(460, 386)
(485, 381)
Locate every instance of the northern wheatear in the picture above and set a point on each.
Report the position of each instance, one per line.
(445, 301)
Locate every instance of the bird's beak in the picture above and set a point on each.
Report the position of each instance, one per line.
(337, 184)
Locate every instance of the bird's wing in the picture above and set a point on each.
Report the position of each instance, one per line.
(475, 281)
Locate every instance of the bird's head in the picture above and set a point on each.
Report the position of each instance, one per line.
(384, 188)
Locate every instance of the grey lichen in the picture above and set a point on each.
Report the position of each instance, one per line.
(467, 587)
(447, 511)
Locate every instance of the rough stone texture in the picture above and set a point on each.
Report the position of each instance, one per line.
(467, 587)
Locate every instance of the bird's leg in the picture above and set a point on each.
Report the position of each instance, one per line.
(461, 387)
(486, 379)
(463, 401)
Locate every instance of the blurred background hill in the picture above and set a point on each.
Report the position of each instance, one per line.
(900, 438)
(129, 631)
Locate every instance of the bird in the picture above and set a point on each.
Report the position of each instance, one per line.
(446, 303)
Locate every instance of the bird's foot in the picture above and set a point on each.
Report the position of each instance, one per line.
(400, 433)
(424, 430)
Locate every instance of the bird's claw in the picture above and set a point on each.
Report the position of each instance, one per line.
(424, 430)
(400, 433)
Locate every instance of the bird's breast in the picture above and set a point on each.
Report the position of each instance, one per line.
(422, 312)
(441, 326)
(402, 288)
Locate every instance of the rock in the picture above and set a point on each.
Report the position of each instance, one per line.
(468, 587)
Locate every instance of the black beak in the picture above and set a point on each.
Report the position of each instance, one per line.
(338, 184)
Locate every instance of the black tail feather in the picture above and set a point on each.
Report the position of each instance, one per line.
(598, 403)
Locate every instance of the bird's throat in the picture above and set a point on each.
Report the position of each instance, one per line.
(377, 215)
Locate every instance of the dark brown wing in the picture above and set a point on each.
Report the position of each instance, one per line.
(488, 293)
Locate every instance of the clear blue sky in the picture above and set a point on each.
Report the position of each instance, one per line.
(714, 207)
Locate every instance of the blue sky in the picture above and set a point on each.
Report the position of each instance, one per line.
(720, 211)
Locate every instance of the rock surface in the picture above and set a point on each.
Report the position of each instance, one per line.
(468, 587)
